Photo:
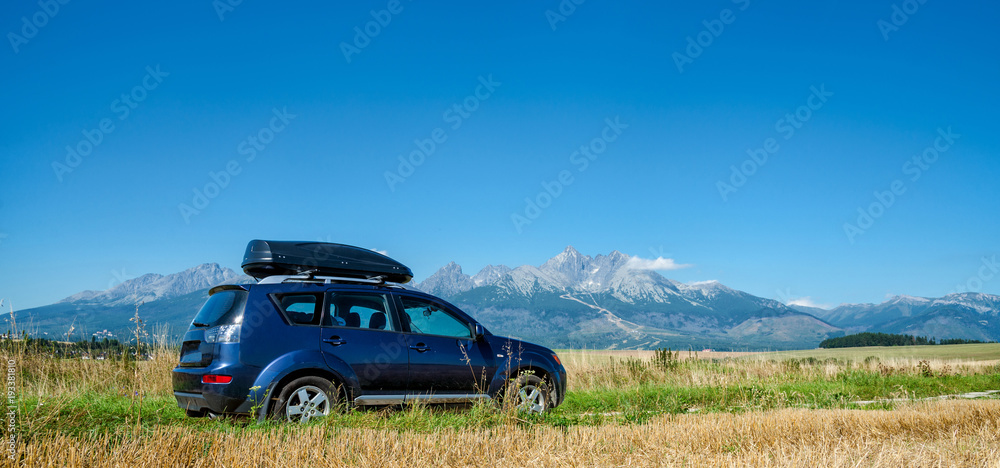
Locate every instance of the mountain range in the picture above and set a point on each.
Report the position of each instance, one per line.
(608, 301)
(151, 286)
(166, 304)
(571, 300)
(968, 315)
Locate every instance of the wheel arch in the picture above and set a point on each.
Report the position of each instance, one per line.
(274, 390)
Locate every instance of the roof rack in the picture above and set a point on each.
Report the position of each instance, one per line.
(309, 278)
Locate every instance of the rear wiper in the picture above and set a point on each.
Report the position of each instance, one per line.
(199, 324)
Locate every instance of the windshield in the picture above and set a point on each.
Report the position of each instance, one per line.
(223, 308)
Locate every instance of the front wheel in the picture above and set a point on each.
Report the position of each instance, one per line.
(306, 398)
(528, 393)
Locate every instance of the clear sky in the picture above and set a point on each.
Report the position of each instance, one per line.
(143, 138)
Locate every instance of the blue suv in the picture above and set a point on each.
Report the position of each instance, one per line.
(300, 345)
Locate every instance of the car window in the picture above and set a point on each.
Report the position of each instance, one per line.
(358, 310)
(224, 307)
(430, 319)
(300, 309)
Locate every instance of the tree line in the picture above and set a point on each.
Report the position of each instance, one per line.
(888, 339)
(93, 348)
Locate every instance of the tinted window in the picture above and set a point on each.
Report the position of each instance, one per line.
(427, 318)
(358, 310)
(222, 308)
(300, 308)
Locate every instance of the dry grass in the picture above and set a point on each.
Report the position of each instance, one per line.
(938, 433)
(590, 370)
(57, 377)
(588, 374)
(953, 433)
(598, 356)
(977, 352)
(587, 370)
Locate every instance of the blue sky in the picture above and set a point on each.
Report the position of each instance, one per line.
(292, 125)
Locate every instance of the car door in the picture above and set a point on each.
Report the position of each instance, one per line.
(445, 356)
(360, 330)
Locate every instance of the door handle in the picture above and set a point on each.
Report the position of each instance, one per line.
(420, 348)
(335, 340)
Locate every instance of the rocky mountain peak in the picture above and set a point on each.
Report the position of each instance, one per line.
(571, 269)
(490, 275)
(982, 303)
(153, 286)
(447, 281)
(570, 250)
(710, 285)
(568, 256)
(908, 299)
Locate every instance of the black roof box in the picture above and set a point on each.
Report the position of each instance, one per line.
(267, 258)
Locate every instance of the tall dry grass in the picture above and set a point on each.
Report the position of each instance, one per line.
(952, 433)
(42, 376)
(46, 377)
(589, 372)
(941, 433)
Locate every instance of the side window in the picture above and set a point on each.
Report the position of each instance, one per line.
(358, 310)
(300, 309)
(429, 319)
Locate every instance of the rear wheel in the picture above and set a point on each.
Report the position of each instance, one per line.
(528, 393)
(305, 399)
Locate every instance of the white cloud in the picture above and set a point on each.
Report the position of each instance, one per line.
(808, 302)
(659, 263)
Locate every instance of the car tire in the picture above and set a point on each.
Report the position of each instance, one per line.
(527, 393)
(305, 399)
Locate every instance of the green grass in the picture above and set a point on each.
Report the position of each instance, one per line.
(94, 413)
(634, 393)
(839, 392)
(606, 390)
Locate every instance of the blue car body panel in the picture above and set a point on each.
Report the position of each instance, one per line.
(275, 345)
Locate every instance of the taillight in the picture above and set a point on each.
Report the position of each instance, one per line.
(223, 334)
(211, 378)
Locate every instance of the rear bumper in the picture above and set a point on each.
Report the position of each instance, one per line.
(193, 395)
(191, 401)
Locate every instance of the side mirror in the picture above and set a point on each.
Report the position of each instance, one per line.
(480, 331)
